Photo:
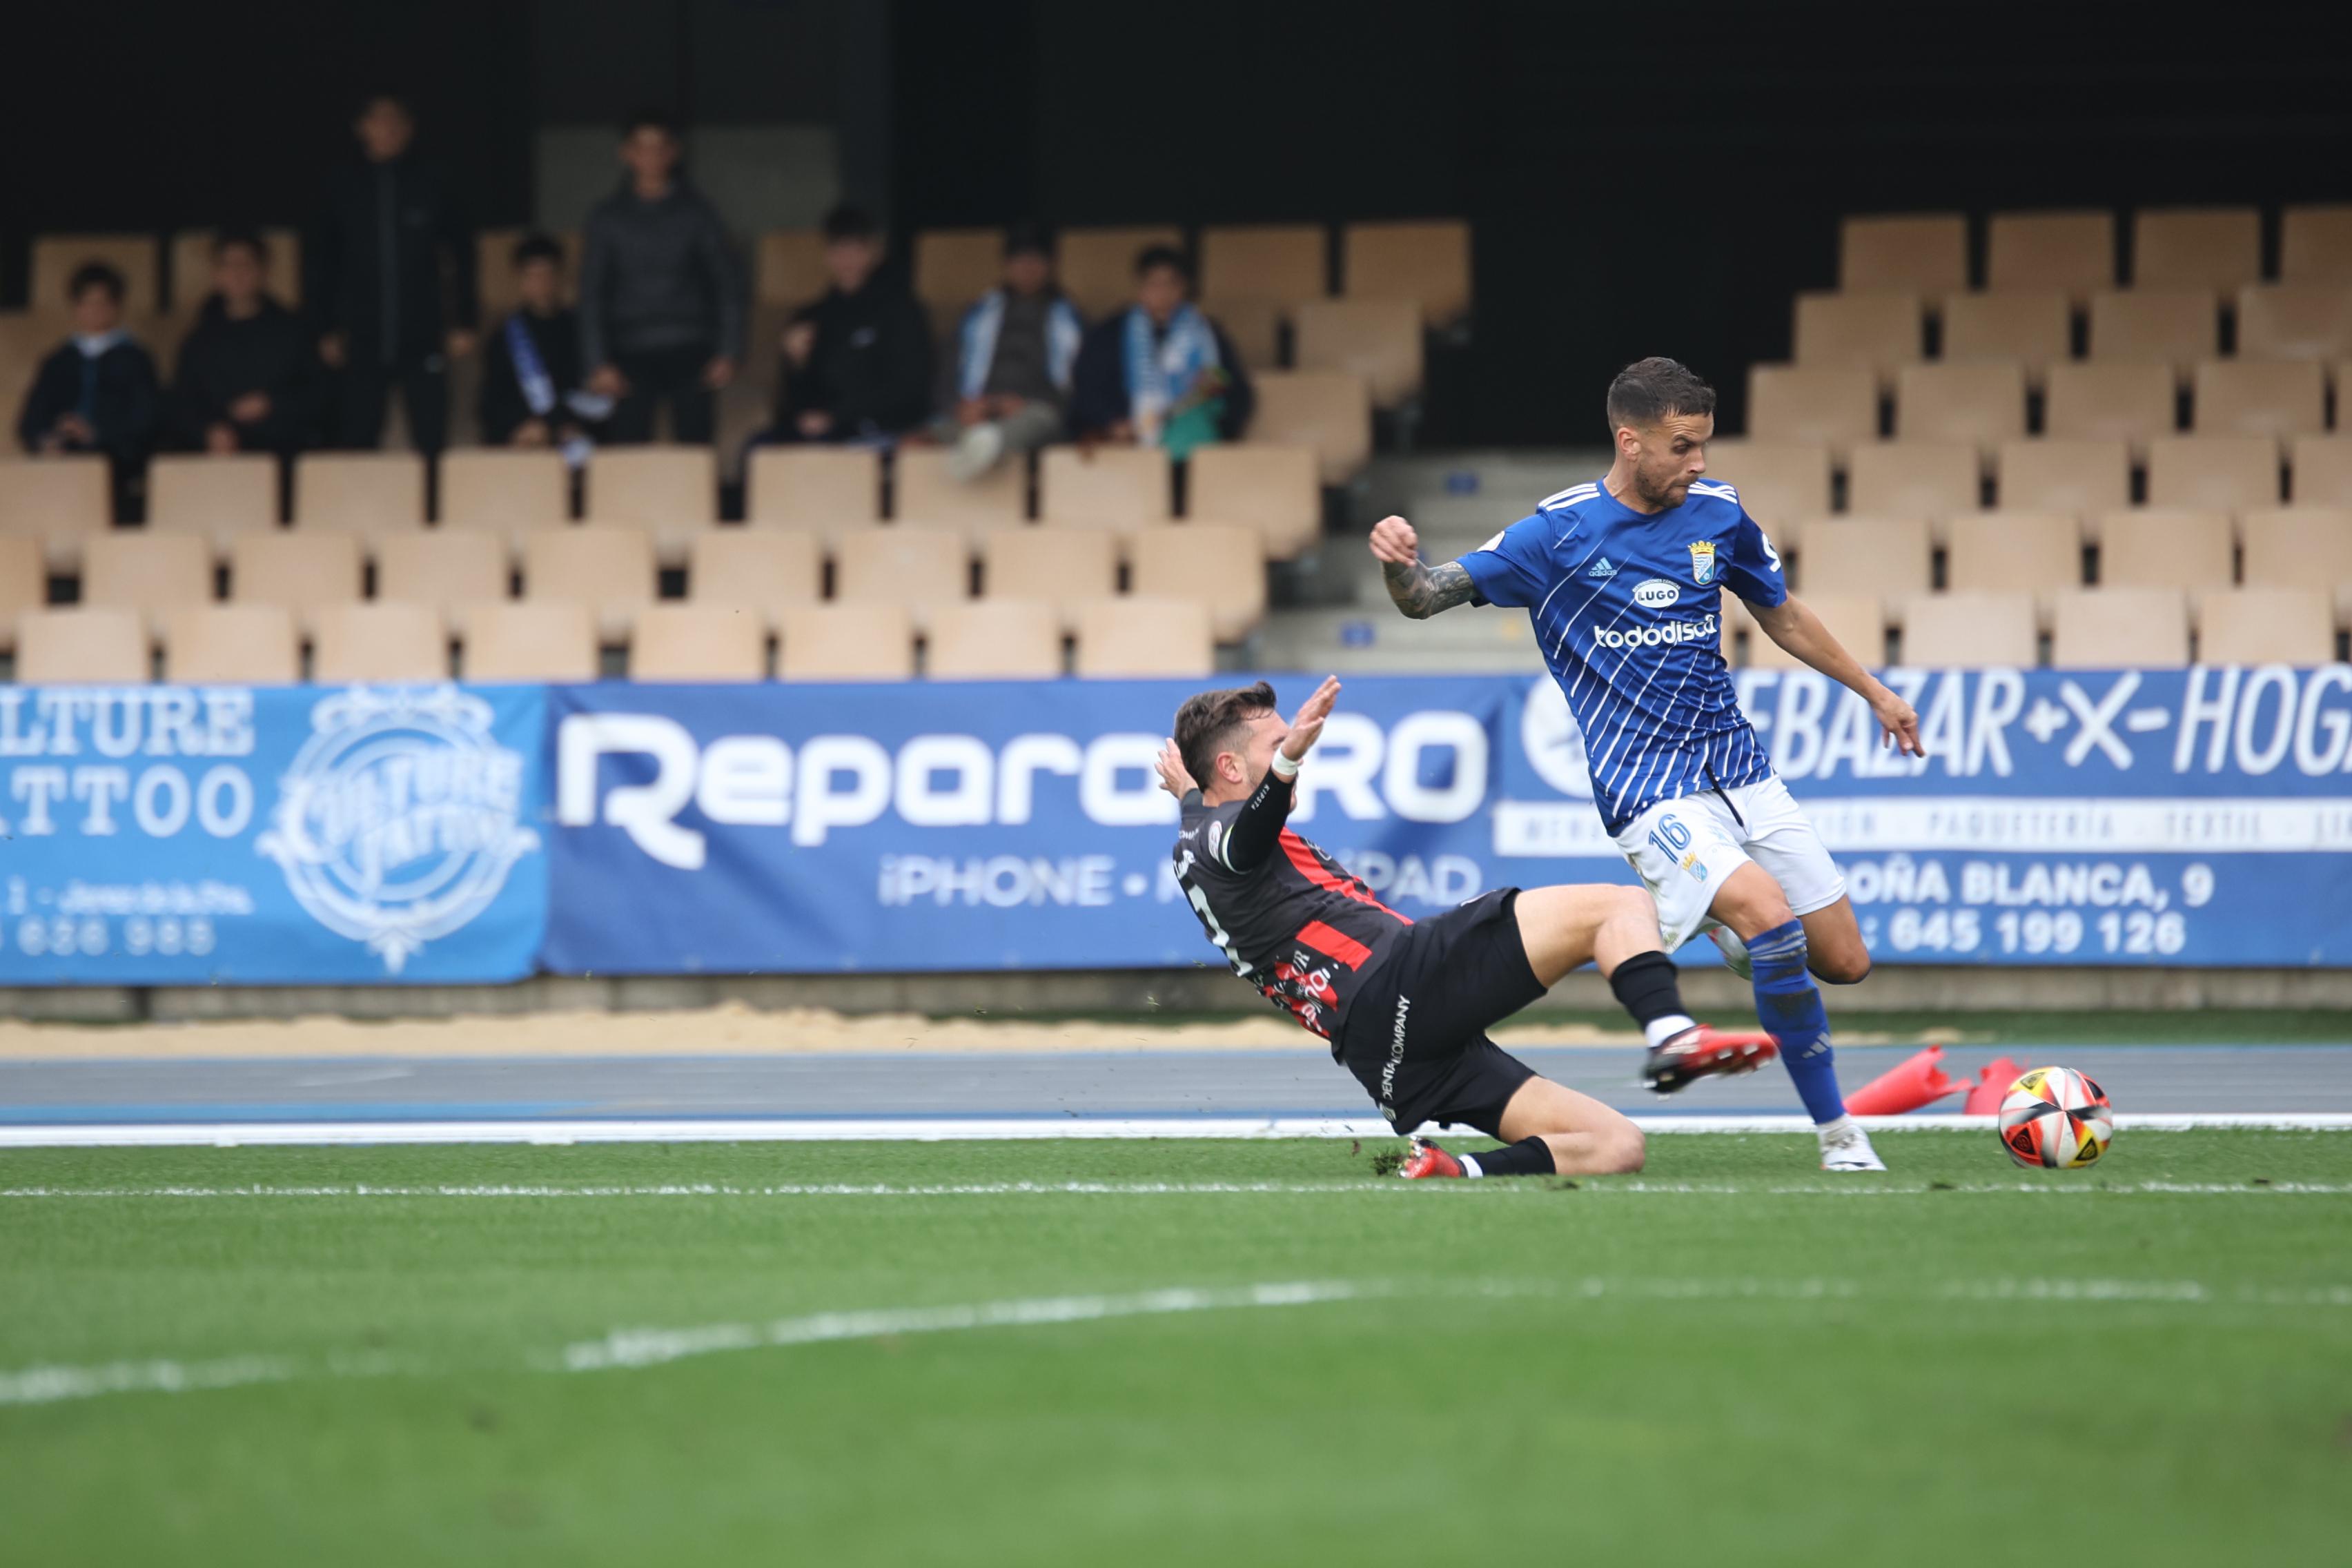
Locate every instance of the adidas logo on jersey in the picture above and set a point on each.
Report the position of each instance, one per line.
(1664, 635)
(1601, 568)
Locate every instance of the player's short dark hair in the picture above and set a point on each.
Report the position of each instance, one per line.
(1208, 720)
(533, 247)
(650, 119)
(850, 222)
(229, 238)
(95, 275)
(1154, 257)
(1652, 389)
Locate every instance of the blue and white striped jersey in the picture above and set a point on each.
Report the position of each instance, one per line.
(1627, 606)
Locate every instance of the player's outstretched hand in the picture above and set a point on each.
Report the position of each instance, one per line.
(1306, 724)
(1173, 776)
(1898, 725)
(1394, 542)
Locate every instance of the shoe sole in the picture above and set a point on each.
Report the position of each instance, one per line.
(1715, 1061)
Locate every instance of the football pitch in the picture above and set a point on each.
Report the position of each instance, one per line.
(1179, 1350)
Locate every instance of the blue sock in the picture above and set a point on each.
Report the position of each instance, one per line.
(1787, 1006)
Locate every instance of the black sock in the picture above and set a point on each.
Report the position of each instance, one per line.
(1527, 1157)
(1648, 986)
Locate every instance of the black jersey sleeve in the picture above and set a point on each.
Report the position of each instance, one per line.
(1251, 840)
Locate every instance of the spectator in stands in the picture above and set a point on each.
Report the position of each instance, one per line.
(97, 393)
(1016, 354)
(249, 380)
(1159, 373)
(392, 279)
(531, 395)
(661, 296)
(858, 363)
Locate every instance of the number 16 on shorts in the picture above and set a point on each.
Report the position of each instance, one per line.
(1674, 841)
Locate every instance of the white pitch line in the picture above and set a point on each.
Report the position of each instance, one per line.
(2079, 1185)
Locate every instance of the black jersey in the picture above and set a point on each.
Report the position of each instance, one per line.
(1288, 919)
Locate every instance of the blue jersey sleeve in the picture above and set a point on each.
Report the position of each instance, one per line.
(1514, 569)
(1755, 572)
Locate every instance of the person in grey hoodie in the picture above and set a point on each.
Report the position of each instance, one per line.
(661, 296)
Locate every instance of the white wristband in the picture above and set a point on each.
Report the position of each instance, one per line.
(1283, 768)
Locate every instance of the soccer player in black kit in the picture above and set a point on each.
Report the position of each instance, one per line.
(1405, 1005)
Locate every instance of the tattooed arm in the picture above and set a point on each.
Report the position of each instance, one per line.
(1419, 590)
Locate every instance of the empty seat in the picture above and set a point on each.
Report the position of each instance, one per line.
(846, 642)
(1275, 489)
(57, 257)
(1425, 262)
(143, 571)
(442, 569)
(2179, 326)
(83, 646)
(1878, 331)
(24, 582)
(1832, 409)
(1983, 404)
(383, 640)
(505, 492)
(2120, 629)
(2322, 471)
(1934, 480)
(1104, 487)
(1878, 556)
(547, 640)
(1282, 264)
(295, 571)
(2034, 327)
(1328, 411)
(2166, 548)
(2132, 403)
(2217, 473)
(2298, 547)
(1138, 638)
(2267, 625)
(604, 565)
(1380, 340)
(994, 640)
(2057, 475)
(1221, 566)
(359, 493)
(1923, 253)
(2252, 397)
(2315, 243)
(215, 499)
(764, 568)
(672, 492)
(1858, 621)
(954, 267)
(1970, 631)
(1054, 565)
(245, 645)
(1779, 482)
(924, 492)
(825, 490)
(903, 565)
(2294, 321)
(2034, 553)
(1252, 325)
(192, 267)
(2214, 248)
(57, 502)
(701, 642)
(2072, 251)
(791, 268)
(1097, 266)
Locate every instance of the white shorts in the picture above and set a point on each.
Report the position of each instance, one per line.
(1685, 849)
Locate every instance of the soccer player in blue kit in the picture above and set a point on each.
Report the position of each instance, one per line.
(1622, 580)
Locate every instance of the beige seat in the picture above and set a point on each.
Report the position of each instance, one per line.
(359, 493)
(1779, 482)
(1427, 263)
(2295, 321)
(1105, 487)
(1934, 480)
(2039, 553)
(1983, 404)
(494, 267)
(1886, 556)
(24, 582)
(296, 572)
(2214, 248)
(2132, 402)
(606, 566)
(145, 572)
(1137, 638)
(671, 492)
(846, 642)
(2267, 625)
(192, 266)
(1254, 327)
(2299, 547)
(1878, 331)
(826, 490)
(2177, 326)
(1832, 409)
(2166, 548)
(699, 642)
(1923, 253)
(545, 641)
(1221, 564)
(1285, 265)
(57, 257)
(505, 492)
(954, 267)
(764, 568)
(923, 492)
(2073, 476)
(1970, 631)
(903, 565)
(2217, 473)
(2033, 327)
(1380, 340)
(2315, 243)
(1328, 411)
(791, 268)
(1060, 566)
(443, 569)
(1858, 621)
(2072, 251)
(57, 502)
(2120, 629)
(82, 647)
(994, 640)
(383, 640)
(2322, 469)
(2251, 398)
(1097, 266)
(215, 499)
(1275, 489)
(243, 644)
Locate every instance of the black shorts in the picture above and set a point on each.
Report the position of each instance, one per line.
(1416, 1034)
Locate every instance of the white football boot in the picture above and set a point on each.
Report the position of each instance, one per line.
(1846, 1147)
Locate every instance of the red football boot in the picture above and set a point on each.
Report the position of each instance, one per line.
(1425, 1161)
(1704, 1051)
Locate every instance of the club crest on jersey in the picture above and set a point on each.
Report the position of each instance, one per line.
(1702, 561)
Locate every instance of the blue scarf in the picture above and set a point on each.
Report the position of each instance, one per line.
(977, 342)
(1161, 376)
(538, 386)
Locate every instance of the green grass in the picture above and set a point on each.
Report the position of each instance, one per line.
(1774, 1368)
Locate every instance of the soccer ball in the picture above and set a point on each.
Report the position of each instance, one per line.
(2055, 1118)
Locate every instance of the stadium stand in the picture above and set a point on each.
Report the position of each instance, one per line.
(2213, 249)
(2267, 625)
(58, 503)
(1834, 408)
(609, 567)
(57, 257)
(2132, 402)
(1060, 566)
(365, 493)
(2032, 327)
(672, 492)
(817, 489)
(789, 267)
(1925, 254)
(381, 640)
(24, 582)
(1878, 331)
(147, 573)
(296, 572)
(2224, 473)
(2177, 326)
(504, 493)
(1284, 265)
(443, 569)
(1856, 620)
(2299, 547)
(1425, 262)
(2322, 466)
(764, 569)
(2071, 251)
(1857, 557)
(1105, 486)
(2315, 243)
(1934, 480)
(2004, 551)
(1966, 630)
(699, 642)
(2244, 398)
(1983, 404)
(249, 645)
(2295, 321)
(2051, 474)
(1378, 339)
(213, 497)
(2166, 548)
(83, 646)
(924, 492)
(846, 642)
(544, 641)
(2119, 628)
(954, 267)
(1253, 325)
(903, 564)
(1272, 488)
(1140, 638)
(994, 640)
(1330, 412)
(1097, 266)
(1220, 566)
(1780, 483)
